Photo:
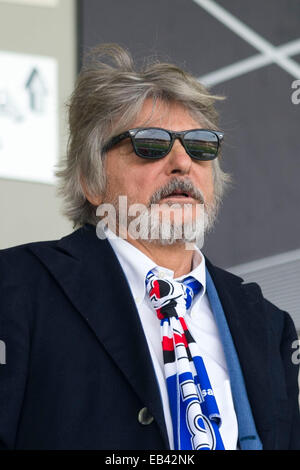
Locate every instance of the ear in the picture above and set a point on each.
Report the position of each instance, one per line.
(92, 198)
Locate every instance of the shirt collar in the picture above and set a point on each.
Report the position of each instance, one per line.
(136, 266)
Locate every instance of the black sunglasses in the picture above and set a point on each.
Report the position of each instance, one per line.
(154, 142)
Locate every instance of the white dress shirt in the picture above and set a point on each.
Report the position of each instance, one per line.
(201, 323)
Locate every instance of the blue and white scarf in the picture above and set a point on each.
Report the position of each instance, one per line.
(195, 414)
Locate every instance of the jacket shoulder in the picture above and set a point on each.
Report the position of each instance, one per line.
(22, 264)
(19, 264)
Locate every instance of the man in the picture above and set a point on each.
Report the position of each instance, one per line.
(123, 335)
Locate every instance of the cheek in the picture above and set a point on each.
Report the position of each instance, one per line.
(125, 181)
(115, 170)
(138, 187)
(129, 175)
(211, 188)
(142, 179)
(210, 180)
(206, 182)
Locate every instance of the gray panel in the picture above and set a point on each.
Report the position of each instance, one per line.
(259, 217)
(176, 30)
(276, 20)
(279, 279)
(297, 59)
(31, 211)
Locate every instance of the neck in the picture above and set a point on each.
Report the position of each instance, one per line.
(175, 257)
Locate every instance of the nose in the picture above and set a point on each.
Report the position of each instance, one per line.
(178, 161)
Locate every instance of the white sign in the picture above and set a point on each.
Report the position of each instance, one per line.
(38, 3)
(28, 117)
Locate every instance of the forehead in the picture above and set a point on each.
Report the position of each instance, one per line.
(172, 116)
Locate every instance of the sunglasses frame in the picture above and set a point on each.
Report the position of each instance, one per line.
(173, 135)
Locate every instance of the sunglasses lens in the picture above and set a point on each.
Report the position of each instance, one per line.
(152, 143)
(202, 145)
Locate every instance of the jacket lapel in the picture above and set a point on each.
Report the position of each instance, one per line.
(244, 310)
(91, 277)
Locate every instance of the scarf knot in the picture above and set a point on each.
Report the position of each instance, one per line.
(169, 298)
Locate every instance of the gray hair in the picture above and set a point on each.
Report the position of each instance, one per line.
(107, 98)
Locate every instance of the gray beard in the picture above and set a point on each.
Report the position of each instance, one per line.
(153, 226)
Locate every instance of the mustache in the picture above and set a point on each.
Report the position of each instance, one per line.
(185, 186)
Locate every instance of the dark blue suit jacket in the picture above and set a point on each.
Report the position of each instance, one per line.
(78, 370)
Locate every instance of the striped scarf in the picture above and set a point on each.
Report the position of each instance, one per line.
(194, 411)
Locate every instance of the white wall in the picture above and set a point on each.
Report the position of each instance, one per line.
(30, 211)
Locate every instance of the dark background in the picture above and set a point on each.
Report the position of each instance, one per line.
(260, 214)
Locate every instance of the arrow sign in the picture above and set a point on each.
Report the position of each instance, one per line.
(29, 138)
(37, 91)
